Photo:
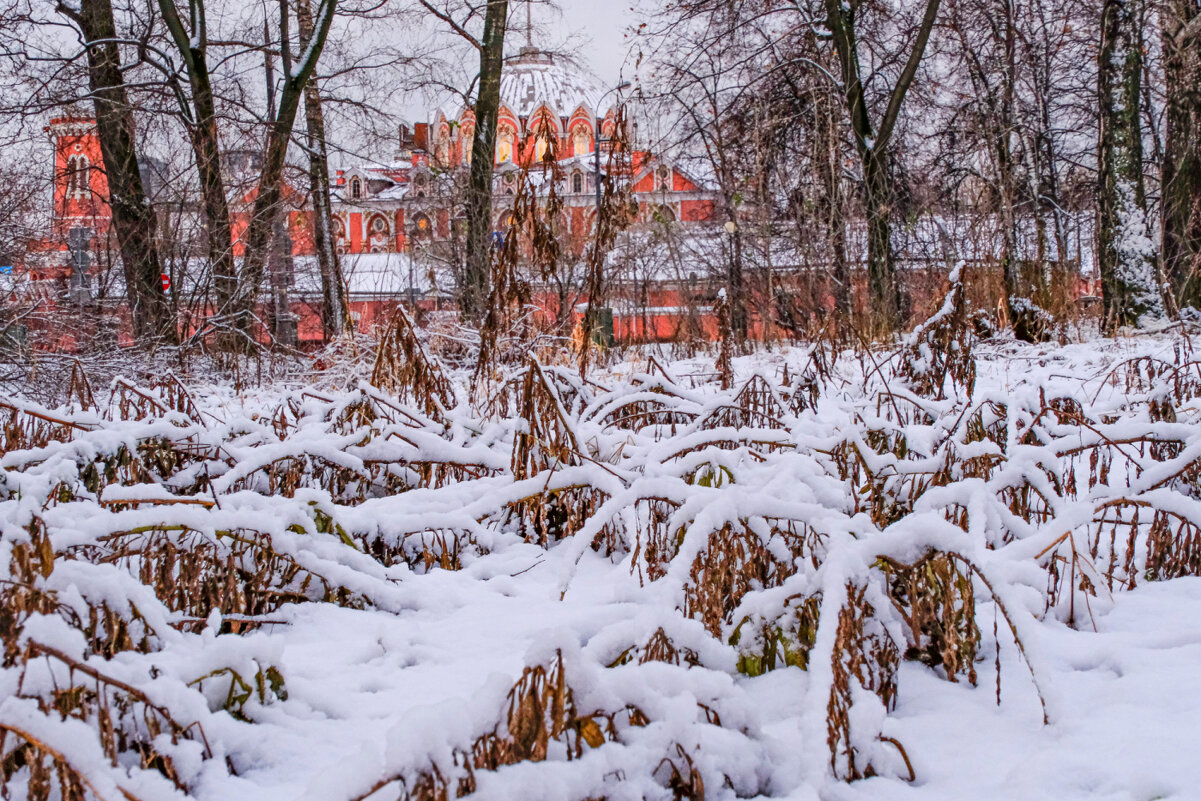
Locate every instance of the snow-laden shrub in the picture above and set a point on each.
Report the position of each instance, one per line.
(815, 525)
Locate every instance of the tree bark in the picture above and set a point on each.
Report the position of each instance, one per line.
(737, 284)
(828, 158)
(872, 143)
(133, 218)
(483, 158)
(1180, 25)
(1027, 319)
(269, 197)
(335, 307)
(206, 149)
(883, 288)
(1124, 247)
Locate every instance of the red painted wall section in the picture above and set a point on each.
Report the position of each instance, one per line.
(239, 222)
(308, 324)
(647, 184)
(696, 210)
(356, 232)
(300, 228)
(681, 184)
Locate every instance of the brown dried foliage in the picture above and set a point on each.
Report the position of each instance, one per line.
(125, 720)
(757, 405)
(237, 572)
(863, 654)
(656, 541)
(941, 349)
(404, 368)
(548, 437)
(735, 562)
(935, 598)
(658, 648)
(540, 714)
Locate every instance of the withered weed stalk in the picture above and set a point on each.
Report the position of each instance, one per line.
(613, 215)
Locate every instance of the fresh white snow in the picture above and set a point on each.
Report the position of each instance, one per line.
(419, 662)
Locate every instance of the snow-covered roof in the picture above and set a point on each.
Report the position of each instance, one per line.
(373, 274)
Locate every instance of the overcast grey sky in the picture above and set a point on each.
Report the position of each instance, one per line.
(594, 32)
(601, 27)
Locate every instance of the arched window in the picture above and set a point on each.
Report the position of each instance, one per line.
(467, 137)
(581, 140)
(356, 188)
(442, 148)
(545, 133)
(423, 226)
(505, 138)
(79, 178)
(379, 226)
(577, 183)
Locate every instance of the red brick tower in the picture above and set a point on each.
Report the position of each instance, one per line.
(80, 186)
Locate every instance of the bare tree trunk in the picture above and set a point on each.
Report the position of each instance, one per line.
(280, 268)
(884, 290)
(279, 261)
(828, 158)
(133, 218)
(1027, 319)
(483, 157)
(1048, 183)
(735, 281)
(206, 146)
(1125, 250)
(874, 152)
(335, 307)
(269, 198)
(217, 226)
(1007, 190)
(1180, 24)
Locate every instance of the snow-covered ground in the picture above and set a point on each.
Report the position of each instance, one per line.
(606, 543)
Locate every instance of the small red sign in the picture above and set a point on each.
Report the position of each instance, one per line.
(166, 281)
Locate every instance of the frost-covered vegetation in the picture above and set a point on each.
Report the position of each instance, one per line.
(636, 586)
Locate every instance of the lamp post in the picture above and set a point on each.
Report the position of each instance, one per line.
(597, 143)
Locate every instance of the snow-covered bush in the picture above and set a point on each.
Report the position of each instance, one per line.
(626, 558)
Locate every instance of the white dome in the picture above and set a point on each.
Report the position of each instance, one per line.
(535, 78)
